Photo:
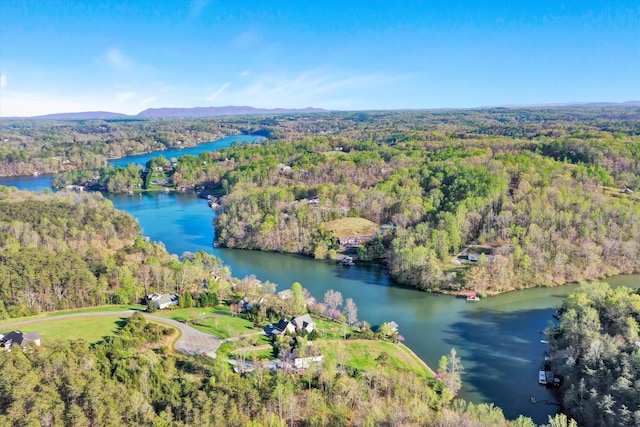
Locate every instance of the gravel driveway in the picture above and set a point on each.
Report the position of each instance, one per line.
(191, 341)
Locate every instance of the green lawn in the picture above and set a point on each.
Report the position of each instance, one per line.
(226, 349)
(262, 354)
(91, 329)
(363, 355)
(345, 227)
(332, 330)
(222, 326)
(108, 308)
(225, 326)
(185, 314)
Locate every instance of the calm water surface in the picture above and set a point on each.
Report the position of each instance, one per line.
(142, 159)
(498, 338)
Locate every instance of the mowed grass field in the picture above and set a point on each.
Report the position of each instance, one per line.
(103, 308)
(222, 325)
(91, 329)
(365, 355)
(345, 227)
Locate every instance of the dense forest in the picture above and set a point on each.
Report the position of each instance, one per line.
(545, 222)
(596, 347)
(70, 250)
(49, 146)
(544, 196)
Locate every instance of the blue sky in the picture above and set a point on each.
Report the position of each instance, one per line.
(126, 56)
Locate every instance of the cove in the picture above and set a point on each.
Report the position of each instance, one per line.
(498, 338)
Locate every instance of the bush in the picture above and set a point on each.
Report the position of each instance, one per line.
(152, 307)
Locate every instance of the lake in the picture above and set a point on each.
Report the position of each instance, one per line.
(142, 159)
(497, 338)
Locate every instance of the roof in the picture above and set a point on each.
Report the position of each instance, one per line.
(301, 322)
(20, 338)
(393, 325)
(153, 297)
(281, 326)
(166, 299)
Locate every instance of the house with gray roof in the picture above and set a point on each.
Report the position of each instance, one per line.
(19, 338)
(297, 324)
(304, 322)
(164, 300)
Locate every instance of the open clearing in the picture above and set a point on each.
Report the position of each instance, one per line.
(91, 329)
(365, 355)
(190, 341)
(346, 227)
(54, 314)
(212, 321)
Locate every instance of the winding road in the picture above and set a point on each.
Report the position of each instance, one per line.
(191, 341)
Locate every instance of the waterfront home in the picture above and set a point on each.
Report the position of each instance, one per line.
(282, 327)
(303, 323)
(297, 324)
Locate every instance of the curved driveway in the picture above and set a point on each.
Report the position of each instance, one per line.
(191, 341)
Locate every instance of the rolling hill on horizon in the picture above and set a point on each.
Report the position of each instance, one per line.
(195, 112)
(233, 110)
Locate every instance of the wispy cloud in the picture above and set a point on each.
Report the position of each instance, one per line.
(148, 101)
(319, 87)
(245, 73)
(218, 92)
(3, 81)
(197, 6)
(21, 104)
(115, 58)
(248, 38)
(125, 96)
(25, 104)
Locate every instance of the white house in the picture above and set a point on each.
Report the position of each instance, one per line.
(305, 362)
(163, 300)
(304, 322)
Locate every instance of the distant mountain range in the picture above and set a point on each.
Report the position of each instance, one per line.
(221, 111)
(232, 110)
(569, 104)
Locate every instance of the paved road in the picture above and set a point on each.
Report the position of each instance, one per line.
(190, 342)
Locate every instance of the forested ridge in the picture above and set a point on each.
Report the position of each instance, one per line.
(551, 210)
(69, 250)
